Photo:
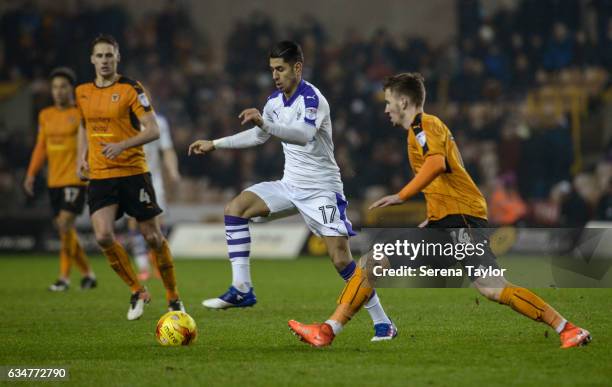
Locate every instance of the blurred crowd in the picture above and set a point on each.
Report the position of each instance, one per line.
(524, 92)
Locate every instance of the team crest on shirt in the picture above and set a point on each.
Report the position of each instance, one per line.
(311, 113)
(115, 97)
(144, 101)
(422, 140)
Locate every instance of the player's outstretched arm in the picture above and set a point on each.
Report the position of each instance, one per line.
(149, 132)
(298, 133)
(389, 200)
(433, 166)
(201, 147)
(245, 139)
(423, 224)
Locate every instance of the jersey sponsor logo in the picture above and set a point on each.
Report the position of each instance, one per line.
(144, 101)
(94, 120)
(422, 140)
(310, 97)
(311, 113)
(115, 97)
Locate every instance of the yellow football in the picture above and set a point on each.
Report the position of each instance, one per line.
(176, 328)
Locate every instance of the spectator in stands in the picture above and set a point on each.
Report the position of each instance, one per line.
(506, 207)
(558, 53)
(491, 69)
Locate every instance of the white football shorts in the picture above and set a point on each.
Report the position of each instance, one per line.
(323, 211)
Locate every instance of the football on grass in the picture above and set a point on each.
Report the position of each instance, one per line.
(176, 328)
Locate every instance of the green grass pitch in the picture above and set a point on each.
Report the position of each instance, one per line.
(447, 336)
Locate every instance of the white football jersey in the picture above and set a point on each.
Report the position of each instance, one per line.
(153, 149)
(311, 165)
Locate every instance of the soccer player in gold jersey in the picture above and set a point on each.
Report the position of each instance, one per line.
(111, 156)
(454, 202)
(56, 144)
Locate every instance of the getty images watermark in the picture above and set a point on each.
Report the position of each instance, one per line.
(536, 257)
(458, 251)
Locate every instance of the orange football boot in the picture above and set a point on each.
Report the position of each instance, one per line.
(317, 335)
(573, 336)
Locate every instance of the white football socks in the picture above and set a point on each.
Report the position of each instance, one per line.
(241, 274)
(238, 239)
(376, 311)
(335, 325)
(561, 326)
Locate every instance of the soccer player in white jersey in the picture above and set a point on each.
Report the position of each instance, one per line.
(299, 115)
(160, 154)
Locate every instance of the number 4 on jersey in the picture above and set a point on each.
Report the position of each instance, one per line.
(144, 196)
